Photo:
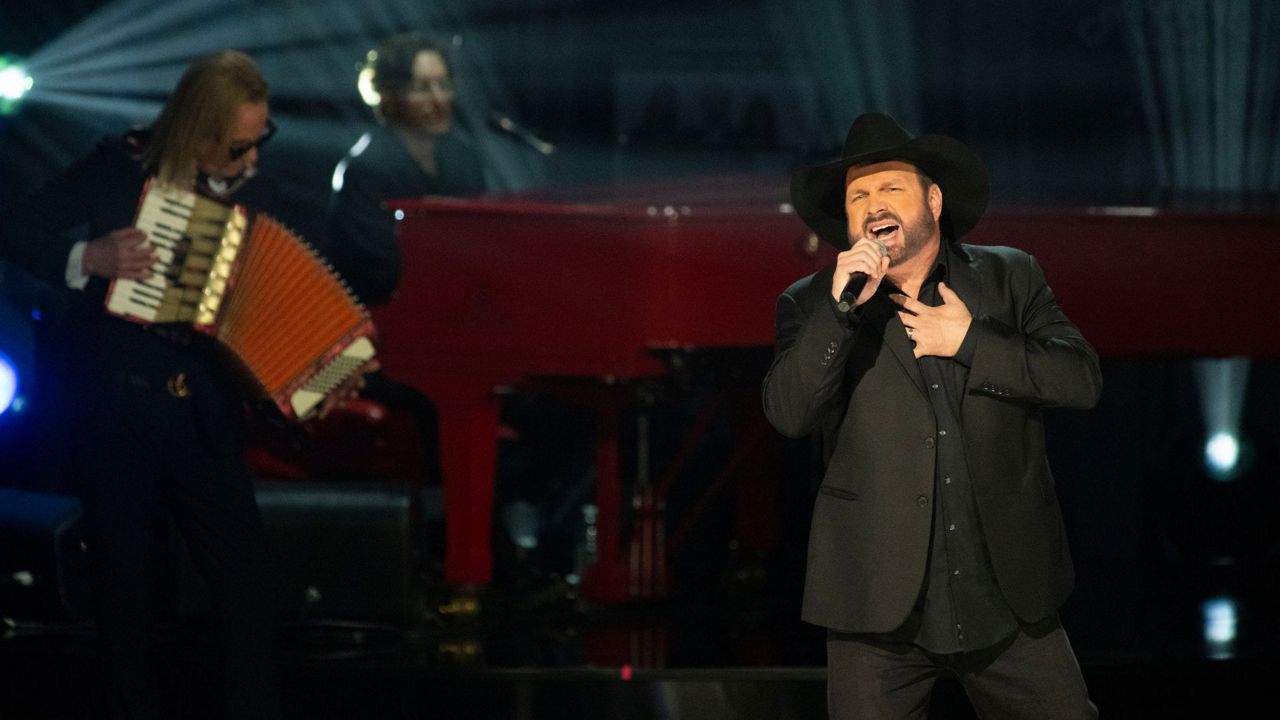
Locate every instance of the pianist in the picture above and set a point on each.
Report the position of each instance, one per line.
(417, 150)
(937, 545)
(158, 434)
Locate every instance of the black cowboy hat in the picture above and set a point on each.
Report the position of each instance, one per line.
(817, 191)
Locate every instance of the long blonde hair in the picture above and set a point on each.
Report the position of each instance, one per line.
(202, 108)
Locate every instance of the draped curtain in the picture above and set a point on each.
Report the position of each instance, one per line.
(1210, 77)
(861, 55)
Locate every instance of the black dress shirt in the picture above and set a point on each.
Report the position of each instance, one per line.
(960, 607)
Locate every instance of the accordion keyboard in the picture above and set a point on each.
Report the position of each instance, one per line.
(195, 240)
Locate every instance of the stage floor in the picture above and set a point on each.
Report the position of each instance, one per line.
(1151, 644)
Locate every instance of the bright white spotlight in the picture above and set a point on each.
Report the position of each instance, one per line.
(1222, 383)
(1222, 454)
(14, 84)
(8, 382)
(1219, 627)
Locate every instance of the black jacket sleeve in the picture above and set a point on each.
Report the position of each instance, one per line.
(98, 191)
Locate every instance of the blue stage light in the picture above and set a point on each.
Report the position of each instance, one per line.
(8, 385)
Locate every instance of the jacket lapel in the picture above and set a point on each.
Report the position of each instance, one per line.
(966, 282)
(882, 315)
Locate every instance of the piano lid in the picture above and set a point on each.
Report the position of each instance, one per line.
(613, 272)
(662, 201)
(509, 287)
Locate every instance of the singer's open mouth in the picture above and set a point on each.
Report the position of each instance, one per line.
(883, 231)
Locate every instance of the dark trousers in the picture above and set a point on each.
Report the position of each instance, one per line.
(150, 464)
(1032, 675)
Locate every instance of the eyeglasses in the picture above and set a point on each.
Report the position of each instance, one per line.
(435, 86)
(238, 151)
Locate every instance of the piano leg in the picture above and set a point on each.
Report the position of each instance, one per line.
(607, 579)
(468, 438)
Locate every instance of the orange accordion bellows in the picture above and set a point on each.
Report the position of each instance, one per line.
(248, 281)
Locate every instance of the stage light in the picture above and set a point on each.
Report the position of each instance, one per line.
(1221, 455)
(8, 385)
(15, 83)
(1222, 384)
(1219, 627)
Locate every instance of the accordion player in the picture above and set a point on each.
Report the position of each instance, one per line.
(243, 278)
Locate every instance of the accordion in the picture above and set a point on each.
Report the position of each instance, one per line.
(246, 280)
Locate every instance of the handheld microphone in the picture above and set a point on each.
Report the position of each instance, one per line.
(857, 281)
(505, 124)
(852, 289)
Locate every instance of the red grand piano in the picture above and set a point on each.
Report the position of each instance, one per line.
(498, 292)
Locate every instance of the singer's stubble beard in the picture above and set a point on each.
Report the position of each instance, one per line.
(915, 237)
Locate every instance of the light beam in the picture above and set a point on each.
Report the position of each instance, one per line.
(1222, 383)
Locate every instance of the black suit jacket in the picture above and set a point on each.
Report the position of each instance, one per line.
(855, 381)
(360, 237)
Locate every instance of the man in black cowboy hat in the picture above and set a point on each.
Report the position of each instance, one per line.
(937, 543)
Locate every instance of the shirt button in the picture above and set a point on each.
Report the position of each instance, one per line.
(928, 442)
(955, 572)
(946, 481)
(952, 526)
(942, 432)
(934, 386)
(922, 501)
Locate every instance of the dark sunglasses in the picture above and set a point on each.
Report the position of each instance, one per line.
(239, 151)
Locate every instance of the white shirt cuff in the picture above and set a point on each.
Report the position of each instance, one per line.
(76, 277)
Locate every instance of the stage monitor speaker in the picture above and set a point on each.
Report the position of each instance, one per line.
(343, 551)
(44, 572)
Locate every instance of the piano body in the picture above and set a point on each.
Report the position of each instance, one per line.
(496, 292)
